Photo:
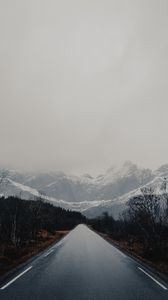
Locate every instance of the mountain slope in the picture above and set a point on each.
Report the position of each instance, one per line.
(92, 196)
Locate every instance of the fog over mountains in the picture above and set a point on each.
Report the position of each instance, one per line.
(90, 195)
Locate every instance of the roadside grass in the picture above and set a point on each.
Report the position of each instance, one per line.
(135, 249)
(12, 257)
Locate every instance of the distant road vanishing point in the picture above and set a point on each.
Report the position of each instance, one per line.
(83, 266)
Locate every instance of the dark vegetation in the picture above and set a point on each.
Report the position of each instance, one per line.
(30, 226)
(21, 221)
(142, 229)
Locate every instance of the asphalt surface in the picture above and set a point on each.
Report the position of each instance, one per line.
(83, 266)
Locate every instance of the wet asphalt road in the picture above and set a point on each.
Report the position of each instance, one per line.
(83, 266)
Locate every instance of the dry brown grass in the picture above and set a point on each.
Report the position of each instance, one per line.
(136, 249)
(10, 257)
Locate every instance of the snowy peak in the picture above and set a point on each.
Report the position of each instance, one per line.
(127, 170)
(107, 192)
(162, 171)
(114, 183)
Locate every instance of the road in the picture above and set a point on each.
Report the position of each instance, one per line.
(83, 266)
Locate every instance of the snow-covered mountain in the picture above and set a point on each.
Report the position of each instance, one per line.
(90, 195)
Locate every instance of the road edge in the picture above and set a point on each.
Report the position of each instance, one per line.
(154, 271)
(9, 274)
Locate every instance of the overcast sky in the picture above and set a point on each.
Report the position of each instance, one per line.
(83, 83)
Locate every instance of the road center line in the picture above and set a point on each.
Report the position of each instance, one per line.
(14, 279)
(160, 284)
(48, 253)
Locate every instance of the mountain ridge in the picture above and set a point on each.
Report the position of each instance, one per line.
(90, 195)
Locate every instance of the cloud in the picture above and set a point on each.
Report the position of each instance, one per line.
(83, 84)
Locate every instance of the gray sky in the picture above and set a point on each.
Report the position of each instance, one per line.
(83, 83)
